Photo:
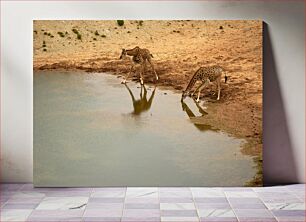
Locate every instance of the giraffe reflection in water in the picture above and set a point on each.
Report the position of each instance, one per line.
(143, 104)
(197, 120)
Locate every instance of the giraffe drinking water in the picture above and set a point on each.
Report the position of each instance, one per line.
(205, 75)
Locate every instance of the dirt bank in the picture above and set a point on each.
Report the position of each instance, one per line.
(179, 49)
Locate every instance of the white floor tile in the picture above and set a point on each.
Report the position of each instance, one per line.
(177, 206)
(62, 203)
(216, 213)
(14, 215)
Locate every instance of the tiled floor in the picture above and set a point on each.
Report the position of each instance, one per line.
(22, 202)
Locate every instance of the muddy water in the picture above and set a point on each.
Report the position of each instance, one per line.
(90, 130)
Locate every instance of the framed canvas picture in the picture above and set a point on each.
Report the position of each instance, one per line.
(147, 103)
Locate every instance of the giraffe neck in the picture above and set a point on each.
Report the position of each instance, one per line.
(132, 52)
(192, 82)
(190, 85)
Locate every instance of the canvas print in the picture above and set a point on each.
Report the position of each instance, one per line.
(147, 103)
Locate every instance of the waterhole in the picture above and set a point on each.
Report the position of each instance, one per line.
(90, 130)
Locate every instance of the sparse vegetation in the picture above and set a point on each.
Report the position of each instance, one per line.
(120, 22)
(94, 39)
(75, 31)
(45, 50)
(35, 32)
(61, 34)
(97, 33)
(139, 23)
(45, 33)
(103, 36)
(221, 27)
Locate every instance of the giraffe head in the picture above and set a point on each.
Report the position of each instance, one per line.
(123, 54)
(185, 94)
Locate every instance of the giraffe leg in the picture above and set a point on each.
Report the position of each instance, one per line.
(199, 91)
(151, 64)
(124, 81)
(131, 93)
(141, 92)
(214, 92)
(145, 92)
(219, 88)
(140, 74)
(145, 66)
(196, 89)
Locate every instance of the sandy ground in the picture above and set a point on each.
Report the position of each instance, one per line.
(179, 49)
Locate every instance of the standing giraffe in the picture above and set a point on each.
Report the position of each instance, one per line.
(139, 56)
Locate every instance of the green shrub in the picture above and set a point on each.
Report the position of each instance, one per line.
(140, 22)
(61, 34)
(75, 31)
(120, 22)
(79, 36)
